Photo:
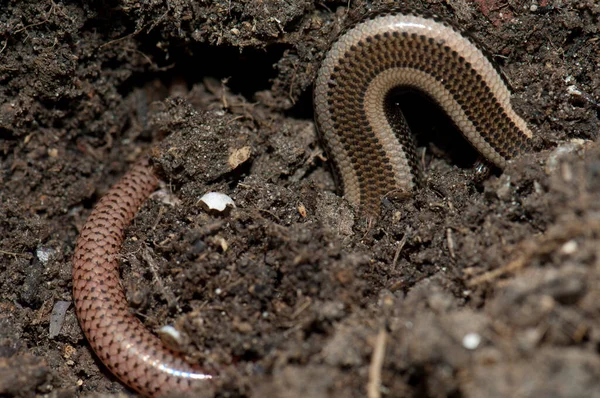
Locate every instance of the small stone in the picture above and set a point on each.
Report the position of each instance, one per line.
(171, 337)
(569, 248)
(471, 341)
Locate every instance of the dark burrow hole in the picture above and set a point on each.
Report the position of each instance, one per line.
(246, 72)
(432, 129)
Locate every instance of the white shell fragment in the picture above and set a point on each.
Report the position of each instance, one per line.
(216, 201)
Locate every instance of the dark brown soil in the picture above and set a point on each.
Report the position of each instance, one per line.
(471, 290)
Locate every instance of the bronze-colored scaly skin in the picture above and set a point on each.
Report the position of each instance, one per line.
(371, 146)
(137, 357)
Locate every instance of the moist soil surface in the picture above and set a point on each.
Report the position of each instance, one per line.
(468, 289)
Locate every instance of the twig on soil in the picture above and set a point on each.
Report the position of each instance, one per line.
(559, 235)
(370, 223)
(47, 18)
(450, 240)
(270, 213)
(167, 294)
(4, 46)
(108, 43)
(224, 92)
(292, 81)
(374, 385)
(159, 19)
(301, 308)
(399, 248)
(511, 267)
(151, 24)
(13, 254)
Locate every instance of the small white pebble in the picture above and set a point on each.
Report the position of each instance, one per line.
(569, 248)
(218, 291)
(170, 330)
(471, 341)
(534, 6)
(573, 90)
(216, 201)
(171, 336)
